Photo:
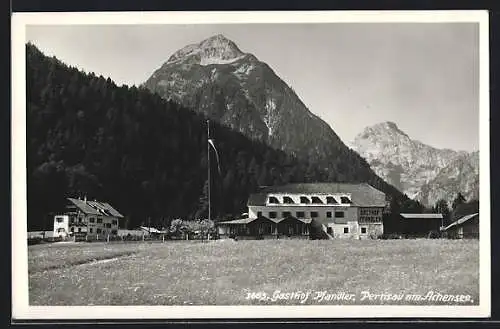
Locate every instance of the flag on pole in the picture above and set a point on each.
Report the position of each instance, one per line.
(211, 142)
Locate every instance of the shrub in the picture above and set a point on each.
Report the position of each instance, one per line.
(434, 235)
(115, 238)
(34, 240)
(389, 236)
(53, 239)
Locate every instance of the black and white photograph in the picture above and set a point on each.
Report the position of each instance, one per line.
(250, 164)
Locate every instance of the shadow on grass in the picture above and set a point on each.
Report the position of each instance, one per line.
(83, 261)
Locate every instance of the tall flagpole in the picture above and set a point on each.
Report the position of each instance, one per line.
(208, 173)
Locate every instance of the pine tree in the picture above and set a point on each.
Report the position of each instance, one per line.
(442, 208)
(202, 211)
(458, 201)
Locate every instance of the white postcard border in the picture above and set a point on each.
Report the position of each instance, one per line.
(20, 305)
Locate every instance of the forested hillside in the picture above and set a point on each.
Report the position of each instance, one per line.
(146, 156)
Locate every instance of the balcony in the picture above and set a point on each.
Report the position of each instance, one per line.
(78, 224)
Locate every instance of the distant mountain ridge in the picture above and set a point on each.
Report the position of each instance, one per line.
(216, 78)
(421, 171)
(461, 175)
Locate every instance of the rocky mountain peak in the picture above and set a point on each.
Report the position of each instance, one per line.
(383, 128)
(215, 50)
(408, 164)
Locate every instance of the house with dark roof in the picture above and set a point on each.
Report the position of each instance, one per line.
(420, 225)
(87, 219)
(465, 227)
(339, 210)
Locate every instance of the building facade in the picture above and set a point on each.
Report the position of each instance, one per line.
(420, 225)
(87, 220)
(466, 227)
(340, 210)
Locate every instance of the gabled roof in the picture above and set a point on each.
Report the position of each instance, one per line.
(151, 230)
(421, 216)
(238, 221)
(95, 207)
(461, 221)
(247, 220)
(303, 220)
(275, 220)
(362, 194)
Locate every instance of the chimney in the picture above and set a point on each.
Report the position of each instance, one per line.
(85, 198)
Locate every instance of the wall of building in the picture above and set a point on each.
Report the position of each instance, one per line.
(225, 229)
(354, 219)
(355, 230)
(322, 210)
(348, 230)
(93, 225)
(420, 227)
(370, 214)
(61, 226)
(373, 230)
(370, 218)
(100, 224)
(471, 228)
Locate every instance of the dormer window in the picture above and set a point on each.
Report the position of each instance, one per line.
(304, 199)
(345, 199)
(273, 199)
(287, 200)
(316, 200)
(331, 200)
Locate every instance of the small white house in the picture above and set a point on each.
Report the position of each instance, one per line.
(87, 219)
(61, 226)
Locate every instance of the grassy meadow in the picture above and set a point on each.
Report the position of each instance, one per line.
(228, 272)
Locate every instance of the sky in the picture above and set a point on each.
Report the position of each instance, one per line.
(422, 76)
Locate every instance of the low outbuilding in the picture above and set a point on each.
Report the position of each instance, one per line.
(420, 225)
(465, 227)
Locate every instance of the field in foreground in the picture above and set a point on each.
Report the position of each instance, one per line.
(239, 273)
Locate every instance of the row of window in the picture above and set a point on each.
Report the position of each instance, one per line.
(268, 229)
(81, 220)
(302, 214)
(309, 200)
(370, 212)
(370, 219)
(329, 230)
(91, 230)
(98, 221)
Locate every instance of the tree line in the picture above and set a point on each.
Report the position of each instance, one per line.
(459, 207)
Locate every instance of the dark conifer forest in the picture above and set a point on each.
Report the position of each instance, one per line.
(146, 156)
